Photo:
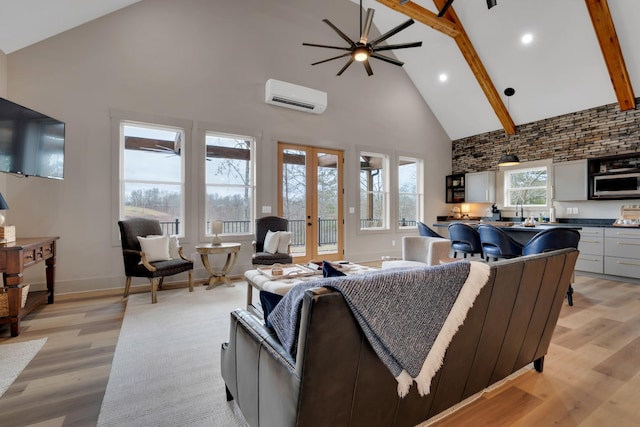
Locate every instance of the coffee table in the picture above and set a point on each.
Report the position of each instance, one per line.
(260, 279)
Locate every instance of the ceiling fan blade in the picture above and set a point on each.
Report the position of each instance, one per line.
(326, 46)
(367, 67)
(398, 46)
(345, 66)
(392, 32)
(340, 33)
(331, 59)
(387, 59)
(367, 26)
(444, 8)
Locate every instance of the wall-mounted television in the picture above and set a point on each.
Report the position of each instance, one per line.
(31, 143)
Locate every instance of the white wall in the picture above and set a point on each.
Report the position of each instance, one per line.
(207, 62)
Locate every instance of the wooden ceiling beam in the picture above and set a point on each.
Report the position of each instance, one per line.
(420, 14)
(466, 48)
(610, 46)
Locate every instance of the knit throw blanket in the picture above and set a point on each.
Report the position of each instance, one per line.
(409, 316)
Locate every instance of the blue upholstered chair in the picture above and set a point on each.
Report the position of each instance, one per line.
(497, 244)
(465, 239)
(550, 240)
(424, 230)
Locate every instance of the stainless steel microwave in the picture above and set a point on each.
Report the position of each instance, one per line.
(617, 185)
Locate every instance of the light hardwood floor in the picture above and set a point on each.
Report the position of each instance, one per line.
(590, 377)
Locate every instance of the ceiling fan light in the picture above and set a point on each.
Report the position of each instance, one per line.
(491, 3)
(361, 54)
(508, 160)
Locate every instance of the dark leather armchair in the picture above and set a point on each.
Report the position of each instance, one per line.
(136, 263)
(465, 239)
(424, 230)
(264, 224)
(550, 240)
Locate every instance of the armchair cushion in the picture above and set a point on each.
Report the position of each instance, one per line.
(174, 247)
(156, 248)
(271, 241)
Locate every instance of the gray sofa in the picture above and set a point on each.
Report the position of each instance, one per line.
(336, 379)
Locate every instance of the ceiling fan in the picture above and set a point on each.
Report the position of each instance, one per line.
(364, 49)
(490, 4)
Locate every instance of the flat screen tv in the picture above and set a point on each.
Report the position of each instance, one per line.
(31, 143)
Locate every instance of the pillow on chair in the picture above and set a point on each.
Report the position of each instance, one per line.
(174, 244)
(284, 241)
(271, 241)
(156, 248)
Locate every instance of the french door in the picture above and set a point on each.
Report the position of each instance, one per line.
(310, 196)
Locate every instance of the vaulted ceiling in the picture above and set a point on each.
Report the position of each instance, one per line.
(582, 53)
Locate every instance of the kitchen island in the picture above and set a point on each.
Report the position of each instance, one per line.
(520, 233)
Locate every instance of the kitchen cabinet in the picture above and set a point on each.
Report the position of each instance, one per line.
(480, 187)
(570, 181)
(591, 247)
(455, 188)
(622, 251)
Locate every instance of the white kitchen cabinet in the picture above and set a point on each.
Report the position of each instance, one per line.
(570, 181)
(591, 247)
(480, 187)
(622, 252)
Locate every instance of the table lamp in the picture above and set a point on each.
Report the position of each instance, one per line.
(216, 228)
(3, 207)
(465, 209)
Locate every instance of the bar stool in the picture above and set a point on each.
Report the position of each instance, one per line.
(498, 244)
(551, 240)
(465, 239)
(424, 230)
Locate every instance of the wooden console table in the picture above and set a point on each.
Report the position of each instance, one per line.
(14, 258)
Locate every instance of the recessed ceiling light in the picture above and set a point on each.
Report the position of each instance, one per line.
(443, 77)
(527, 38)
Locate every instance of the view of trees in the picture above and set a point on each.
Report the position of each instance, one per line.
(528, 187)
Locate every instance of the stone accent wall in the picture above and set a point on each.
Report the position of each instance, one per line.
(600, 131)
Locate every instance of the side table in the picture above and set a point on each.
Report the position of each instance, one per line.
(218, 276)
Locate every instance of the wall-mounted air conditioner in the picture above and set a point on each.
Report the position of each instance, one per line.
(293, 96)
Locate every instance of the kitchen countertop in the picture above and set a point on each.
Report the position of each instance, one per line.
(562, 222)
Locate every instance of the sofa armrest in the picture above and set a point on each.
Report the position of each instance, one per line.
(429, 250)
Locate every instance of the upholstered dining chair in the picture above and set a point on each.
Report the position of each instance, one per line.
(267, 255)
(497, 244)
(551, 240)
(425, 230)
(465, 239)
(154, 266)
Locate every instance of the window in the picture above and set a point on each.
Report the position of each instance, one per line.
(152, 174)
(409, 191)
(229, 181)
(373, 191)
(528, 186)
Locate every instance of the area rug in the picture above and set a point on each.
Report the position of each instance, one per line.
(14, 357)
(166, 367)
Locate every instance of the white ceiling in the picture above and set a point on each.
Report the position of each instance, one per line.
(561, 71)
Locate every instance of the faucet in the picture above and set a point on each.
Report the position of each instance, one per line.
(521, 217)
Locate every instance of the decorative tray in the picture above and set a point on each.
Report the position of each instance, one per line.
(288, 272)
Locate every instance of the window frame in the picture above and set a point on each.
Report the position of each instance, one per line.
(419, 194)
(505, 171)
(204, 231)
(118, 118)
(385, 193)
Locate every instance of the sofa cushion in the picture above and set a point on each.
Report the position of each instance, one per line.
(329, 270)
(268, 300)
